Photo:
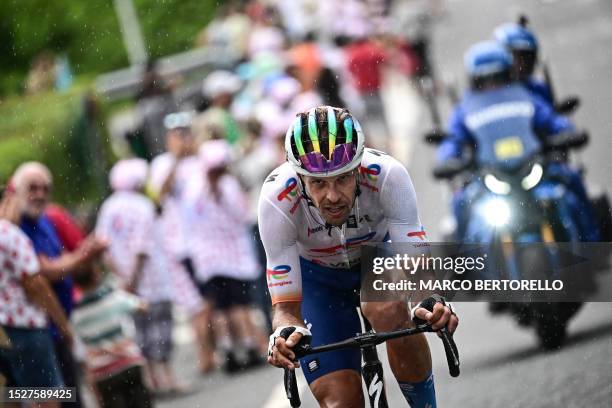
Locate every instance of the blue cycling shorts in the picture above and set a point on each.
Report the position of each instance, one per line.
(329, 308)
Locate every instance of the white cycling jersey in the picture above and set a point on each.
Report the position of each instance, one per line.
(290, 228)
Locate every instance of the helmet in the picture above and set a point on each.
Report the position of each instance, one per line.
(515, 37)
(487, 58)
(324, 141)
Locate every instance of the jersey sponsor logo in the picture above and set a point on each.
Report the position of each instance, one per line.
(290, 190)
(279, 272)
(351, 222)
(313, 365)
(271, 178)
(352, 242)
(295, 205)
(371, 172)
(366, 217)
(277, 276)
(370, 178)
(315, 230)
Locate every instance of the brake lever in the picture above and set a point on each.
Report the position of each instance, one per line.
(450, 347)
(451, 351)
(290, 378)
(291, 388)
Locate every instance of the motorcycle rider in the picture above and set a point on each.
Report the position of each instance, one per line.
(523, 45)
(494, 107)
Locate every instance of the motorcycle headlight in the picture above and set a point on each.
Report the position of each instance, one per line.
(497, 212)
(496, 185)
(533, 178)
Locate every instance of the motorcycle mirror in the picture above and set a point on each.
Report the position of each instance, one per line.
(434, 137)
(568, 140)
(568, 105)
(449, 169)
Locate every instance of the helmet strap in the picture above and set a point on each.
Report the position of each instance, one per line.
(303, 192)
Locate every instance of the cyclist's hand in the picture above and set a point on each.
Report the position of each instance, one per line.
(279, 349)
(282, 356)
(441, 315)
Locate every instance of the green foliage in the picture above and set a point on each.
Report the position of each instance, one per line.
(171, 26)
(88, 32)
(50, 128)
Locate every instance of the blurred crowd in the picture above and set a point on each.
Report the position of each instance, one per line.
(94, 305)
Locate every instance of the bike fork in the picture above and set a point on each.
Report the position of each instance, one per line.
(372, 373)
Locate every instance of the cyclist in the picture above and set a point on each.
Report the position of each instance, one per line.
(496, 106)
(314, 213)
(523, 45)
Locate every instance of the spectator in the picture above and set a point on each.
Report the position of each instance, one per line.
(229, 30)
(220, 88)
(365, 59)
(223, 254)
(32, 182)
(70, 233)
(128, 221)
(306, 58)
(329, 88)
(169, 175)
(27, 357)
(154, 101)
(114, 362)
(265, 36)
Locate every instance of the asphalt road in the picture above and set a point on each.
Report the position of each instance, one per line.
(501, 364)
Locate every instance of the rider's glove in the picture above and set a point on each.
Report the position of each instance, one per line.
(428, 304)
(285, 332)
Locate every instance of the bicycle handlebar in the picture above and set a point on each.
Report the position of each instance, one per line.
(364, 340)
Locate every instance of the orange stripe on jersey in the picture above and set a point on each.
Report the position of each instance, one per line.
(287, 297)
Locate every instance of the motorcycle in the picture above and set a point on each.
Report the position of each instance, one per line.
(513, 207)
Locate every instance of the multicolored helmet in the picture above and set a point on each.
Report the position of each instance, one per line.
(324, 142)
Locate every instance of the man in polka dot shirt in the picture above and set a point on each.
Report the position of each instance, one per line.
(25, 301)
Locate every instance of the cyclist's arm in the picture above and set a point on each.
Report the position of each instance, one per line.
(279, 237)
(399, 203)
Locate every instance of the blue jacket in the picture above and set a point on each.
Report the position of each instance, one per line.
(539, 88)
(502, 124)
(46, 242)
